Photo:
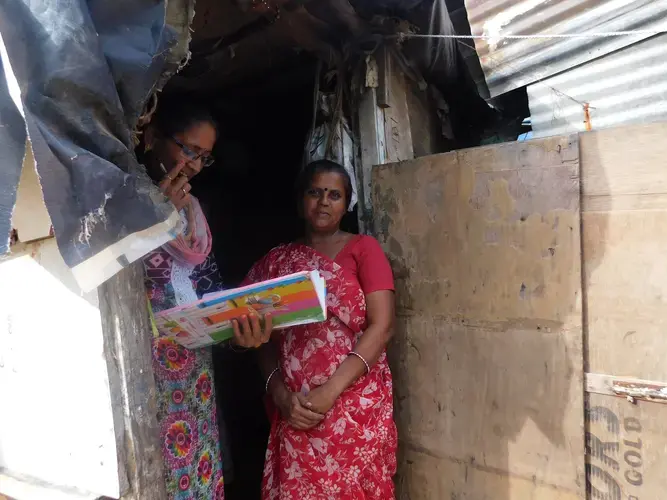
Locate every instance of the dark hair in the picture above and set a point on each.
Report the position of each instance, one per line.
(173, 117)
(324, 166)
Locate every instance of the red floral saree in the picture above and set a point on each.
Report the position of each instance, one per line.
(352, 453)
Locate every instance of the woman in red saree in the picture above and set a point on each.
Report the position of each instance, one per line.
(332, 430)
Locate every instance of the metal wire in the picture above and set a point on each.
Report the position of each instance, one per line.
(538, 36)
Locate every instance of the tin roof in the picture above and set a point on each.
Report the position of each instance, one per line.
(627, 86)
(513, 63)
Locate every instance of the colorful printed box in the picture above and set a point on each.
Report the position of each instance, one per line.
(292, 300)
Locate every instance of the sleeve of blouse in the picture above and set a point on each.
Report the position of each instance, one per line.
(374, 271)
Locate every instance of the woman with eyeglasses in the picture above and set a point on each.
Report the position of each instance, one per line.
(177, 145)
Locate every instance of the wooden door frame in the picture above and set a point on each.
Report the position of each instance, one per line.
(127, 335)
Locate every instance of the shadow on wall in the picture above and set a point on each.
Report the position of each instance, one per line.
(488, 354)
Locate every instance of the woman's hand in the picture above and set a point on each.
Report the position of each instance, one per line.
(176, 186)
(250, 333)
(292, 406)
(322, 398)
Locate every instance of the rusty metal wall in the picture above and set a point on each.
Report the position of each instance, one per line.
(509, 64)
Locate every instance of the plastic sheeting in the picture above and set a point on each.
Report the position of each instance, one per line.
(338, 147)
(85, 71)
(12, 144)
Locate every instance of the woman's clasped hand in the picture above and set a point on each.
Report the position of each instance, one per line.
(294, 408)
(303, 410)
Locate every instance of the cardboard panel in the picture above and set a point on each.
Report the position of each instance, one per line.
(626, 449)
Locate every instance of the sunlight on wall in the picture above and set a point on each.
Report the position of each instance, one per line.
(56, 424)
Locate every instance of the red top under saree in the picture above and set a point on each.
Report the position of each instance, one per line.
(352, 453)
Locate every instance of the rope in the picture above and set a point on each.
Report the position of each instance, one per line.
(538, 36)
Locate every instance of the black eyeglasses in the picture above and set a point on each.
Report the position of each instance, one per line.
(206, 160)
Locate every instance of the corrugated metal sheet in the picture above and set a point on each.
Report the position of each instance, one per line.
(628, 86)
(509, 64)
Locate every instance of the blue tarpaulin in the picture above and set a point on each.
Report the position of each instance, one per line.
(85, 71)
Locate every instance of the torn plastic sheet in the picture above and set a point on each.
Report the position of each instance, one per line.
(85, 71)
(341, 145)
(12, 145)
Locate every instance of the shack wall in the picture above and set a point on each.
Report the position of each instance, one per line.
(79, 413)
(56, 423)
(624, 213)
(496, 331)
(487, 357)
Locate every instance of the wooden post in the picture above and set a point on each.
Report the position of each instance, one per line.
(371, 133)
(127, 341)
(384, 128)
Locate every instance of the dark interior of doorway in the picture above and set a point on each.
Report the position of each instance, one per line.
(249, 199)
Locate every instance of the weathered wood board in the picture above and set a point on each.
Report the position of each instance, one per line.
(487, 359)
(624, 217)
(624, 187)
(127, 341)
(496, 330)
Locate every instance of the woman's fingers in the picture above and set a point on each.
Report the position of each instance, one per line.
(177, 187)
(242, 332)
(302, 423)
(171, 176)
(260, 334)
(181, 197)
(300, 417)
(302, 410)
(175, 172)
(238, 336)
(248, 332)
(268, 328)
(256, 329)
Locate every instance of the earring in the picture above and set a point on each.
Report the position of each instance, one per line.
(148, 147)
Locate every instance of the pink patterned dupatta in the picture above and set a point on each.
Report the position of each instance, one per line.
(194, 251)
(352, 453)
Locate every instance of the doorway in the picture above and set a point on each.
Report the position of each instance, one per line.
(249, 199)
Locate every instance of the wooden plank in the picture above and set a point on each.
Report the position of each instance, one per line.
(623, 161)
(625, 214)
(127, 340)
(436, 478)
(371, 133)
(625, 277)
(487, 357)
(505, 400)
(398, 136)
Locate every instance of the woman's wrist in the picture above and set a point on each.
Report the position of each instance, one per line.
(337, 384)
(276, 388)
(347, 374)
